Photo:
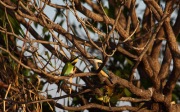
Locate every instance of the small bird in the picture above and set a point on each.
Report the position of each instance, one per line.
(67, 70)
(104, 70)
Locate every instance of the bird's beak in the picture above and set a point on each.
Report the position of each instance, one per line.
(96, 60)
(74, 61)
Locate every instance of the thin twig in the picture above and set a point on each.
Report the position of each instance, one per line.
(4, 102)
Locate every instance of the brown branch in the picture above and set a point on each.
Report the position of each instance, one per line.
(93, 105)
(87, 106)
(155, 9)
(130, 99)
(165, 67)
(173, 46)
(134, 17)
(135, 90)
(50, 48)
(99, 18)
(3, 85)
(176, 27)
(94, 6)
(126, 53)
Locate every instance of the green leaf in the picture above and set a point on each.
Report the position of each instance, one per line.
(16, 26)
(47, 37)
(127, 92)
(129, 62)
(44, 30)
(26, 72)
(47, 54)
(174, 97)
(61, 23)
(35, 24)
(118, 72)
(116, 97)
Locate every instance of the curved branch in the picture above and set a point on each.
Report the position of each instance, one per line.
(100, 18)
(93, 105)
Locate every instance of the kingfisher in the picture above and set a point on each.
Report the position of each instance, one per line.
(104, 70)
